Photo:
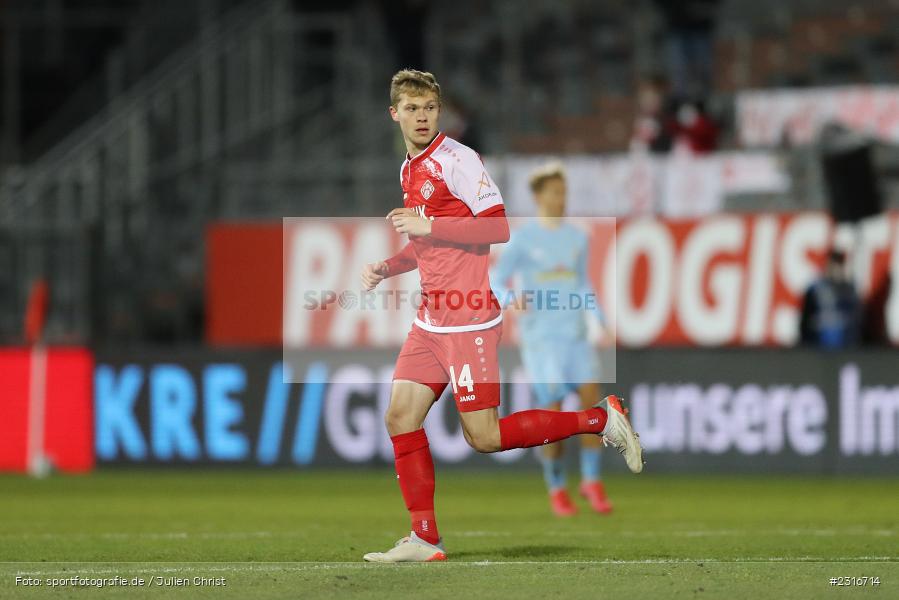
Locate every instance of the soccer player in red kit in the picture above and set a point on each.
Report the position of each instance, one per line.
(452, 212)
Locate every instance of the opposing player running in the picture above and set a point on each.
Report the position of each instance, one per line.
(452, 212)
(550, 257)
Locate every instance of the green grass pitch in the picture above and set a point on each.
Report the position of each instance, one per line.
(293, 534)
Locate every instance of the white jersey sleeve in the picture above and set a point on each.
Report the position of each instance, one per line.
(469, 182)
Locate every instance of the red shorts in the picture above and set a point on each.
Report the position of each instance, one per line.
(466, 359)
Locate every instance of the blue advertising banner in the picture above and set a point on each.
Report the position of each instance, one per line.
(697, 411)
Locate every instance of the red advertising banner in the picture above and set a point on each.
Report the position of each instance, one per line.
(725, 280)
(243, 284)
(738, 280)
(67, 389)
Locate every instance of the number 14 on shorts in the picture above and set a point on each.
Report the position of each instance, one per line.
(465, 379)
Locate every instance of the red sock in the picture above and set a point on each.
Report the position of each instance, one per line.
(415, 472)
(537, 427)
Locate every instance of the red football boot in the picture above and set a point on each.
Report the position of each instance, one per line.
(595, 494)
(561, 503)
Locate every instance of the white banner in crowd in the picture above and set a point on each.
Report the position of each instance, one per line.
(677, 185)
(766, 118)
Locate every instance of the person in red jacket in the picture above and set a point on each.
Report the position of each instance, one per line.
(695, 129)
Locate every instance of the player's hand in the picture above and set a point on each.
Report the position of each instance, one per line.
(406, 220)
(373, 274)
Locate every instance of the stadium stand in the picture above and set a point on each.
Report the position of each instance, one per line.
(254, 110)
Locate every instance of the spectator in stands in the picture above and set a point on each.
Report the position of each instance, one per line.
(694, 128)
(656, 122)
(690, 28)
(831, 311)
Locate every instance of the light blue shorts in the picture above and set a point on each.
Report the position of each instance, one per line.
(556, 367)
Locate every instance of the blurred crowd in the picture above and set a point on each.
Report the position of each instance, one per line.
(671, 107)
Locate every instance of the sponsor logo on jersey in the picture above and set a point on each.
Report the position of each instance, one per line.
(420, 209)
(427, 189)
(468, 398)
(485, 181)
(557, 272)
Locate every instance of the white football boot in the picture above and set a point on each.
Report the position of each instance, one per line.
(409, 549)
(619, 433)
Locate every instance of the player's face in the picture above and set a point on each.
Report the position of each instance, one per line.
(551, 197)
(417, 116)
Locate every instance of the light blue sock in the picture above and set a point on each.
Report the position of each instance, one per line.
(590, 464)
(553, 472)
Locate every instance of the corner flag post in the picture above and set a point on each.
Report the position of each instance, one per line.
(35, 318)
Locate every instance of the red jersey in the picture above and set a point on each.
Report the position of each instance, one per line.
(449, 179)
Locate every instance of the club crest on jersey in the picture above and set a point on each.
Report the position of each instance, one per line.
(427, 189)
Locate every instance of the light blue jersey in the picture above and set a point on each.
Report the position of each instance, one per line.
(551, 266)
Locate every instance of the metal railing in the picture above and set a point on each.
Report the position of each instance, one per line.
(237, 123)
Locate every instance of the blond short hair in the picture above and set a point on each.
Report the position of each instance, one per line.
(550, 170)
(413, 83)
